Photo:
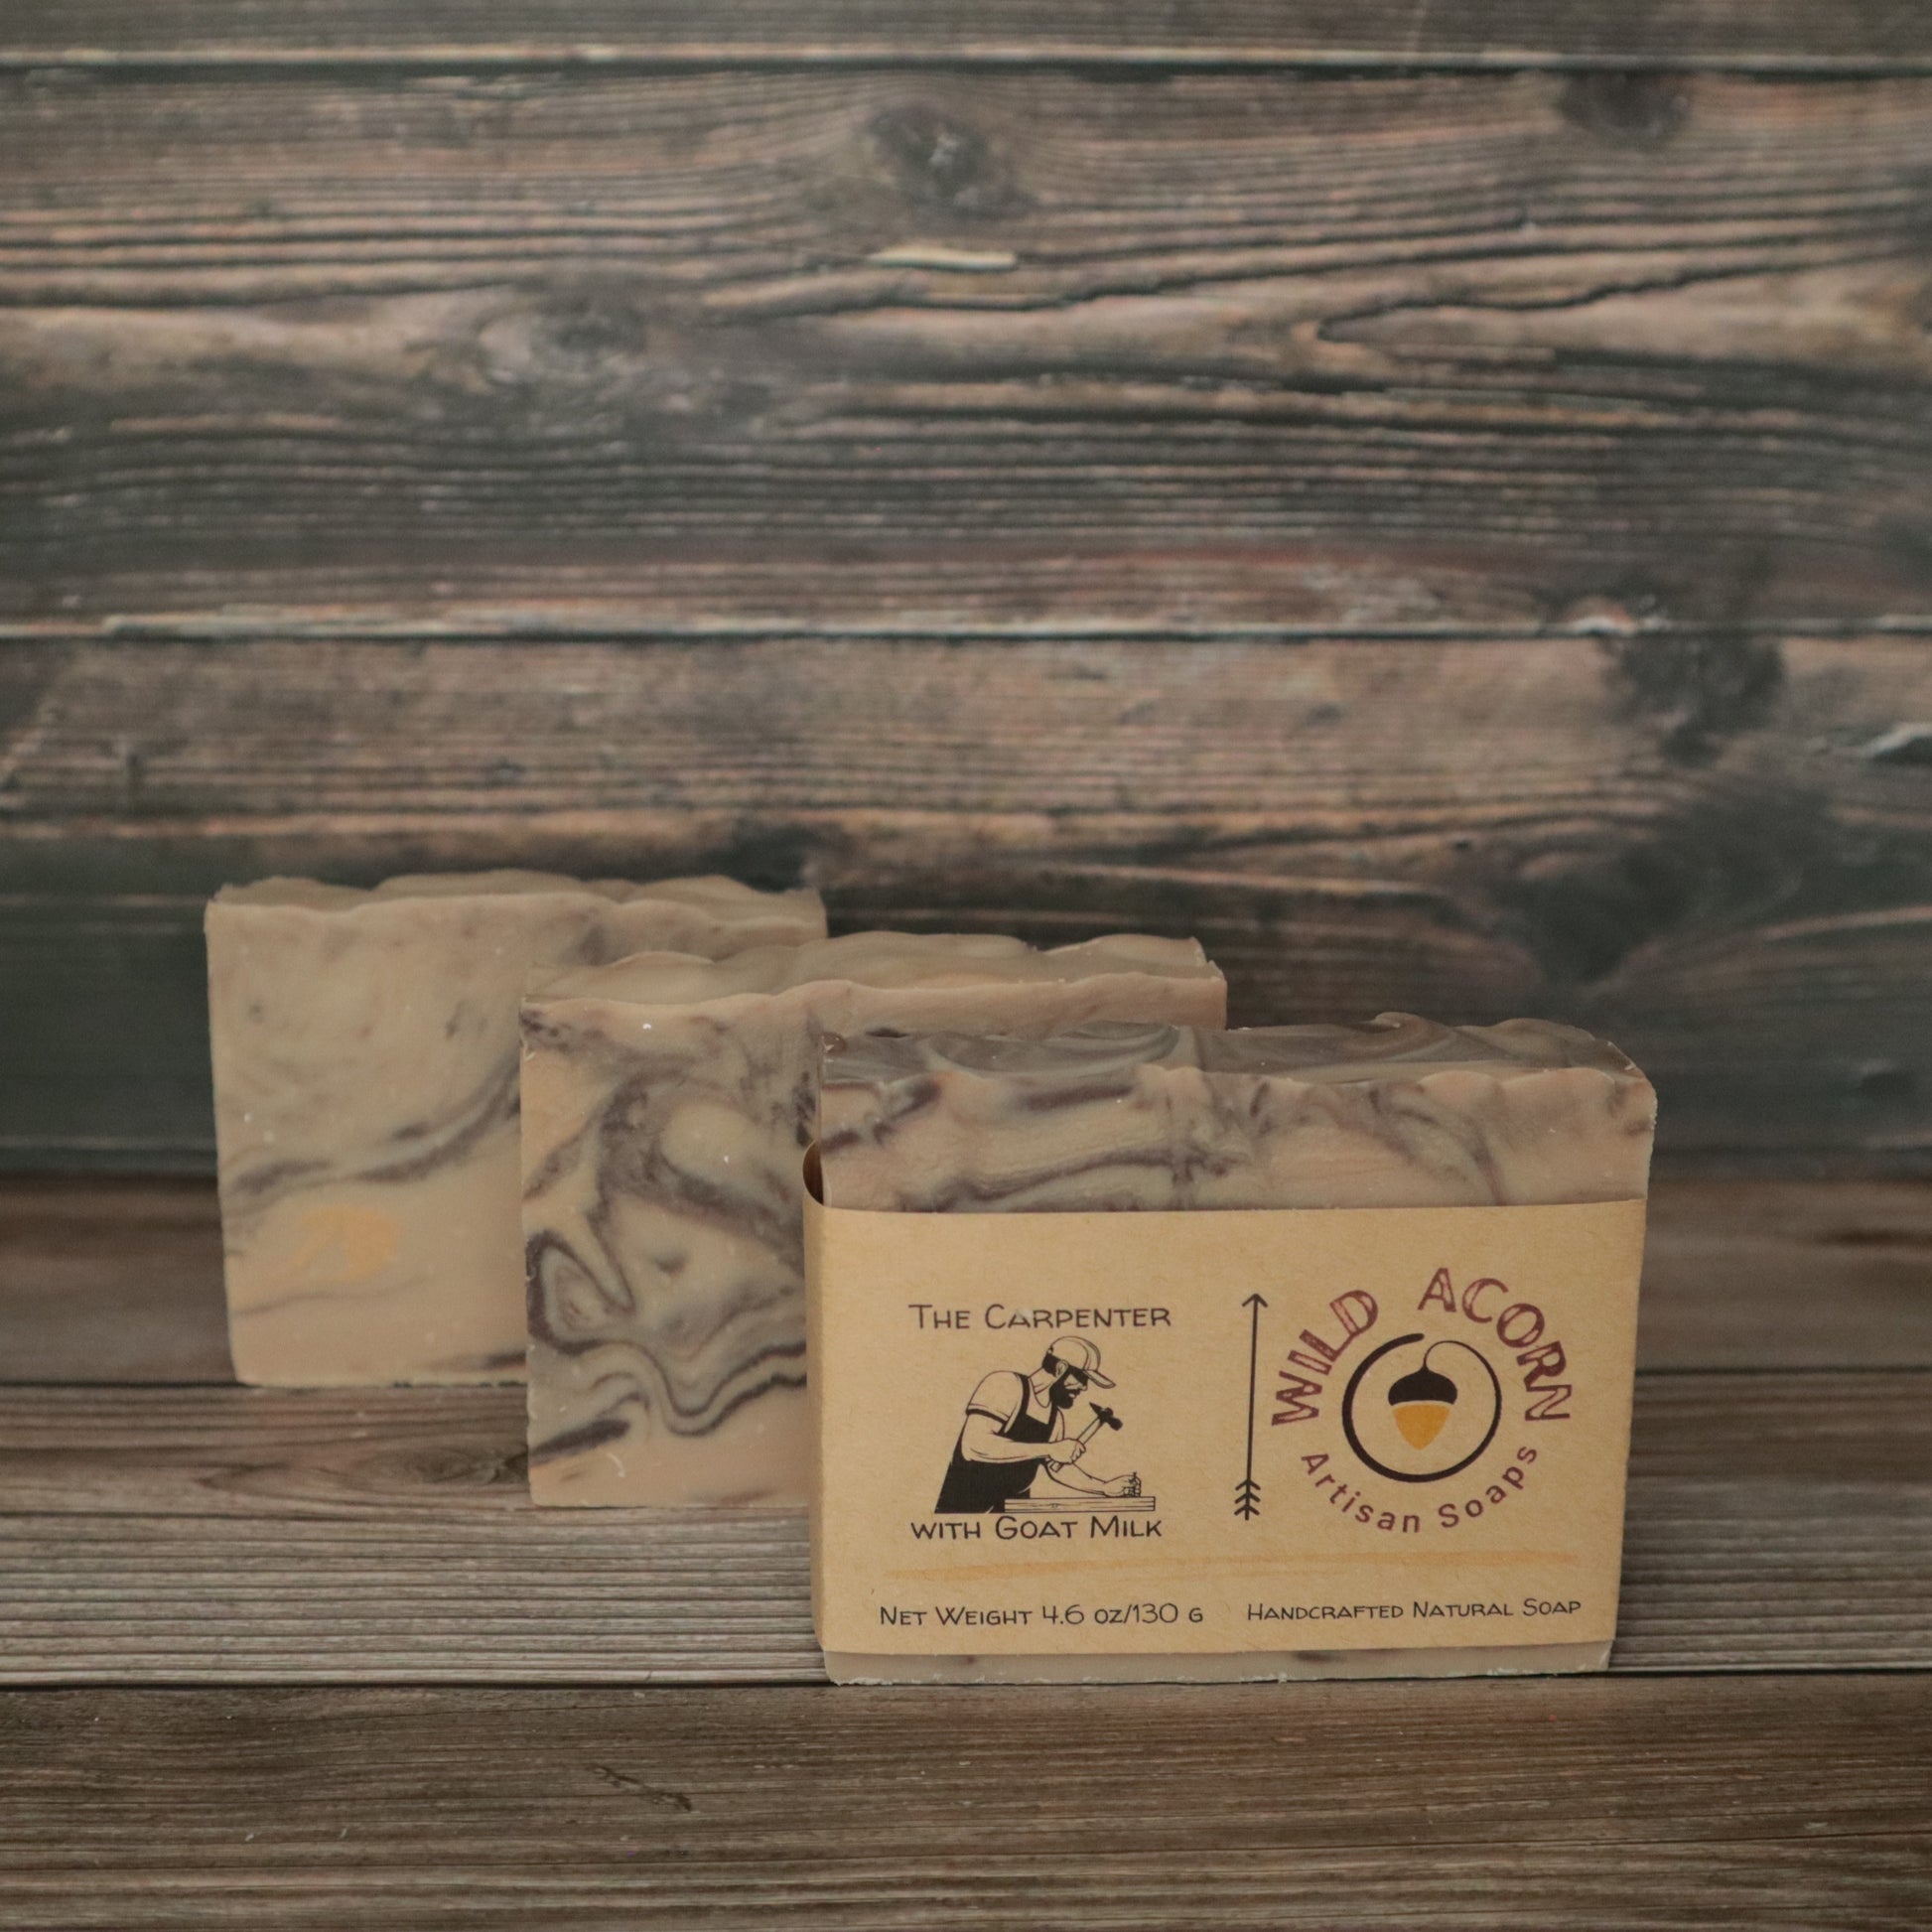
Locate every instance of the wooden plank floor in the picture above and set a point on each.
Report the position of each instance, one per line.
(313, 1660)
(1798, 1802)
(1777, 1521)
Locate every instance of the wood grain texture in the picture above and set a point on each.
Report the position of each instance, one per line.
(1812, 35)
(1717, 850)
(1300, 1806)
(938, 349)
(1753, 1273)
(112, 1278)
(1776, 1522)
(106, 1281)
(1853, 1883)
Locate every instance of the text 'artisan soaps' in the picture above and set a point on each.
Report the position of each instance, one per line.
(365, 1089)
(666, 1106)
(1419, 1385)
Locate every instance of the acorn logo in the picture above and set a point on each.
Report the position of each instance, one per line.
(1418, 1409)
(1422, 1402)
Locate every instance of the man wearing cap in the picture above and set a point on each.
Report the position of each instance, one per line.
(1016, 1425)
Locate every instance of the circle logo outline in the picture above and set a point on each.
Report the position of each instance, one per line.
(1400, 1475)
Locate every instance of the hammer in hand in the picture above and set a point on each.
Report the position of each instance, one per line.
(1102, 1414)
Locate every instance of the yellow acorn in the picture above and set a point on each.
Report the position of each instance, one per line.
(1422, 1401)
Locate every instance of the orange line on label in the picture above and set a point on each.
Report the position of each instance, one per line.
(1192, 1566)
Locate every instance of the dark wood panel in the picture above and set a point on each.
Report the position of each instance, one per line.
(1777, 1521)
(1808, 33)
(1746, 1274)
(940, 350)
(119, 1280)
(1719, 850)
(112, 1278)
(1790, 1803)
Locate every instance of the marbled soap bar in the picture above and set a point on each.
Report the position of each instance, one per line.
(1398, 1113)
(666, 1104)
(365, 1089)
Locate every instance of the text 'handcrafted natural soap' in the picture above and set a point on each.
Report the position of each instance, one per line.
(365, 1090)
(666, 1104)
(1362, 1303)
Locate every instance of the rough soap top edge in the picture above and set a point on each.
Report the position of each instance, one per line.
(1394, 1047)
(672, 979)
(711, 892)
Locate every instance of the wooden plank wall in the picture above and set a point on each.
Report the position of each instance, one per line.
(1433, 499)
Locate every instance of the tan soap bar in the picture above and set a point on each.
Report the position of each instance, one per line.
(666, 1106)
(365, 1092)
(1398, 1113)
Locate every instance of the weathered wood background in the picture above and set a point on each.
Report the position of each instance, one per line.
(1432, 496)
(1436, 500)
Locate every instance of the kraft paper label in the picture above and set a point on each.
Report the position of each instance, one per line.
(1302, 1428)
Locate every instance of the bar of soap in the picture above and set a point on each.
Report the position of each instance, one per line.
(365, 1092)
(1398, 1113)
(666, 1105)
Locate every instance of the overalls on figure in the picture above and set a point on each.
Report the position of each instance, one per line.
(976, 1488)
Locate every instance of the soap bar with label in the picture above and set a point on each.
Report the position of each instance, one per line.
(666, 1106)
(365, 1092)
(1399, 1114)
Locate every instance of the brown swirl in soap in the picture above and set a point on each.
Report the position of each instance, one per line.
(1400, 1111)
(664, 1209)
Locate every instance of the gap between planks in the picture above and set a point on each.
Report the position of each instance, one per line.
(641, 627)
(862, 56)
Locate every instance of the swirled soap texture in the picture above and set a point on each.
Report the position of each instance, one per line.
(366, 1088)
(1398, 1113)
(666, 1106)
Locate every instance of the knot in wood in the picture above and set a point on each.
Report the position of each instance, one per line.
(1634, 109)
(941, 163)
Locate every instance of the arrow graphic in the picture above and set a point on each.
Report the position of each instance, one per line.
(1247, 1492)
